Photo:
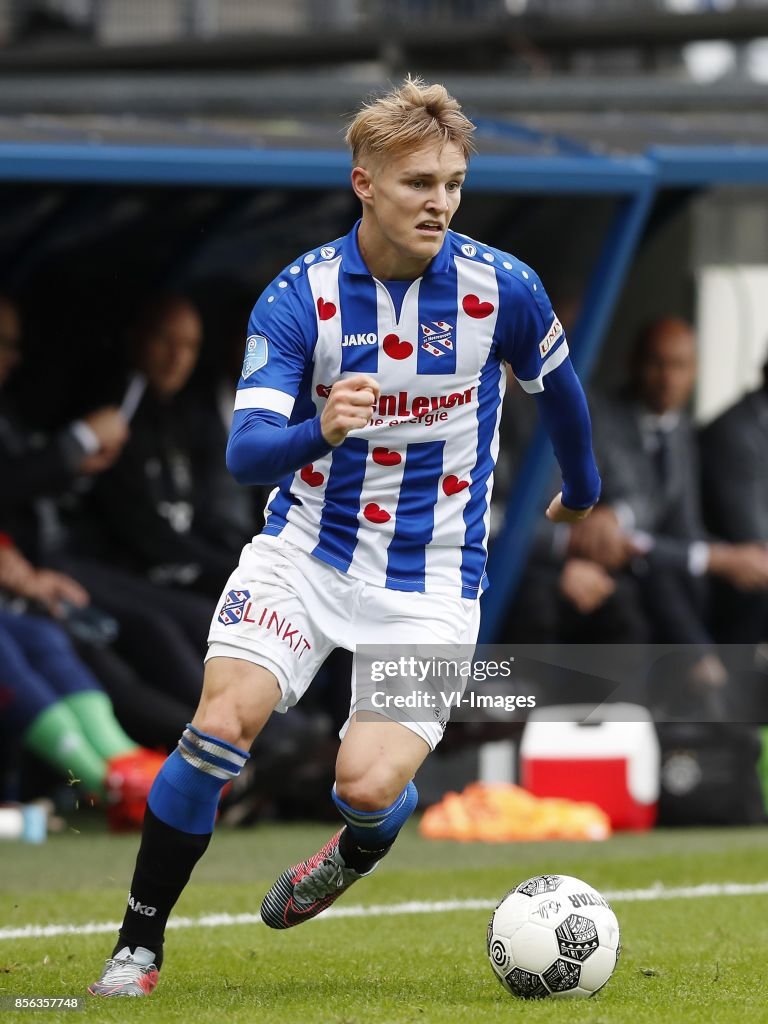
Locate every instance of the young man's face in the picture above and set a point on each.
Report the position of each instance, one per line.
(409, 200)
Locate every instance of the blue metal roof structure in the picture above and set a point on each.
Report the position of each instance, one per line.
(523, 159)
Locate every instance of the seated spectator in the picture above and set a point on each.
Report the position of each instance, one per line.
(648, 457)
(650, 466)
(168, 505)
(162, 632)
(735, 490)
(646, 540)
(51, 699)
(571, 590)
(152, 718)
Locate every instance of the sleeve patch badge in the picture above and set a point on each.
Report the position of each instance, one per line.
(256, 354)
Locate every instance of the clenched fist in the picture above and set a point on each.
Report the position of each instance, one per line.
(350, 406)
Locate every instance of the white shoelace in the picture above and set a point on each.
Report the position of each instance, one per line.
(119, 972)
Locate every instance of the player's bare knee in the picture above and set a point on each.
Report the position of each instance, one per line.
(219, 718)
(238, 699)
(370, 791)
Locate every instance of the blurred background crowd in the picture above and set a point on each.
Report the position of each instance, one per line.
(124, 300)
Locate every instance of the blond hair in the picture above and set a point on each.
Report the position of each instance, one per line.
(409, 117)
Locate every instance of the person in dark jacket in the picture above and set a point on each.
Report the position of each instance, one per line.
(159, 630)
(647, 447)
(168, 505)
(735, 490)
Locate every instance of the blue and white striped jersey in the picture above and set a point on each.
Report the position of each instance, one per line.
(405, 502)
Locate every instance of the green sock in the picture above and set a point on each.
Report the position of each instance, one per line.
(93, 710)
(56, 737)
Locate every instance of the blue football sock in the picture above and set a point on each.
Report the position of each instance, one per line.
(185, 793)
(181, 811)
(376, 830)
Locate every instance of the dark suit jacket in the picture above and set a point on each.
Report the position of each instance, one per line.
(670, 511)
(735, 470)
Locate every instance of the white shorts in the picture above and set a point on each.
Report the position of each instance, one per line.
(285, 610)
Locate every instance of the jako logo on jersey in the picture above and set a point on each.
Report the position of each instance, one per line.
(551, 337)
(327, 252)
(359, 339)
(256, 354)
(233, 607)
(141, 908)
(469, 250)
(437, 337)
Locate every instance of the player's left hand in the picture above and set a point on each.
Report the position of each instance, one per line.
(560, 513)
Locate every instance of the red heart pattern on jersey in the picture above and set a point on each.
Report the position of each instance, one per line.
(452, 484)
(473, 307)
(385, 457)
(395, 348)
(322, 390)
(311, 476)
(374, 514)
(325, 310)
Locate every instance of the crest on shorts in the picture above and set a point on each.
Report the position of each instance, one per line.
(233, 609)
(256, 354)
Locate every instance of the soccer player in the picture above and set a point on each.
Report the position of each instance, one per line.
(371, 390)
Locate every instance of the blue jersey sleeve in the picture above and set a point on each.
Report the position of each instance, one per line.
(563, 410)
(262, 448)
(264, 442)
(533, 342)
(278, 349)
(532, 339)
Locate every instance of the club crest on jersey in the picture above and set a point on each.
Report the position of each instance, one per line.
(233, 607)
(256, 354)
(437, 337)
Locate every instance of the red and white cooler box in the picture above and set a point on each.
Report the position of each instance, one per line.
(608, 756)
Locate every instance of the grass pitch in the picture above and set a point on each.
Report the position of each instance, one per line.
(689, 958)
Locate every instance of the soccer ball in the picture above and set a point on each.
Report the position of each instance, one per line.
(553, 935)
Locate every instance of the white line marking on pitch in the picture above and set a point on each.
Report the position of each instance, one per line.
(655, 892)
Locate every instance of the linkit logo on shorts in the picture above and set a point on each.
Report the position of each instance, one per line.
(238, 607)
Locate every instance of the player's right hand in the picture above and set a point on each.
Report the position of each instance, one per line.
(350, 406)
